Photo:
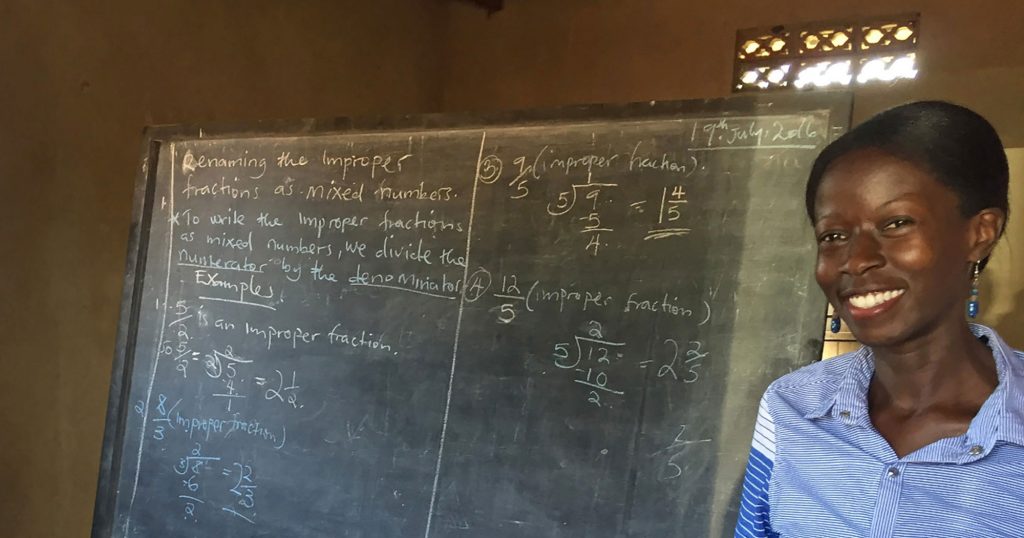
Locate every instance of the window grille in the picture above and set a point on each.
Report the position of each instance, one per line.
(822, 55)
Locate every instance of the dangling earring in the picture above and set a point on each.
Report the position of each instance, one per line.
(972, 304)
(836, 324)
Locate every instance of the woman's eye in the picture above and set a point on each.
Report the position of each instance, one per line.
(897, 223)
(829, 237)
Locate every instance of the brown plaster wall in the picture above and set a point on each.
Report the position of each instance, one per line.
(78, 81)
(544, 53)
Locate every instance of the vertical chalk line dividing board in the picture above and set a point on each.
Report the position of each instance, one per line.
(550, 323)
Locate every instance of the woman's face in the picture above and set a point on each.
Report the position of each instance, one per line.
(894, 252)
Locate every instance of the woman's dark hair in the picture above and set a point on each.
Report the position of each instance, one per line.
(956, 145)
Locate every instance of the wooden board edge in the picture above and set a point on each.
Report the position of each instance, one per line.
(734, 105)
(124, 358)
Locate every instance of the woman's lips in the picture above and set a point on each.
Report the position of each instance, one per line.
(868, 305)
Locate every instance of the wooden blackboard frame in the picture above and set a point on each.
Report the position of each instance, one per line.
(838, 104)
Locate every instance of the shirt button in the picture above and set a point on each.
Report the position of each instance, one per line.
(893, 472)
(844, 414)
(976, 450)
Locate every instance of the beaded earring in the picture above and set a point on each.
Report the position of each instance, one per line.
(836, 324)
(972, 304)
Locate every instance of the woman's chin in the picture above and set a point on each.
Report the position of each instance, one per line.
(879, 336)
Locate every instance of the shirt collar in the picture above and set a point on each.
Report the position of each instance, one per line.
(850, 397)
(1001, 417)
(1005, 408)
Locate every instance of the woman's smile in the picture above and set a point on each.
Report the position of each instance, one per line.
(866, 305)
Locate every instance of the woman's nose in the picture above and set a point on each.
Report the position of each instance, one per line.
(863, 253)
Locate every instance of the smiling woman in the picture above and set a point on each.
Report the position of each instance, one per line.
(921, 431)
(884, 224)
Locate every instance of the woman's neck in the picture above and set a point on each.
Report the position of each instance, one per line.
(944, 368)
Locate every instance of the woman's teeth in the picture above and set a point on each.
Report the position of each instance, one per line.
(871, 300)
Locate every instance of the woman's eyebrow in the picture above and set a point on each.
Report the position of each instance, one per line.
(820, 218)
(906, 196)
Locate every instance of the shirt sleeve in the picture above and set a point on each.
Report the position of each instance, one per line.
(754, 520)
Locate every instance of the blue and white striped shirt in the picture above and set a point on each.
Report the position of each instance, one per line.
(818, 468)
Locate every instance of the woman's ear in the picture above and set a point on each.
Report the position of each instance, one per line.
(986, 228)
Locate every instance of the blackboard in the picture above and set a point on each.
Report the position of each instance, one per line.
(549, 323)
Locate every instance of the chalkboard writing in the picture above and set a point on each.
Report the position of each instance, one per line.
(550, 324)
